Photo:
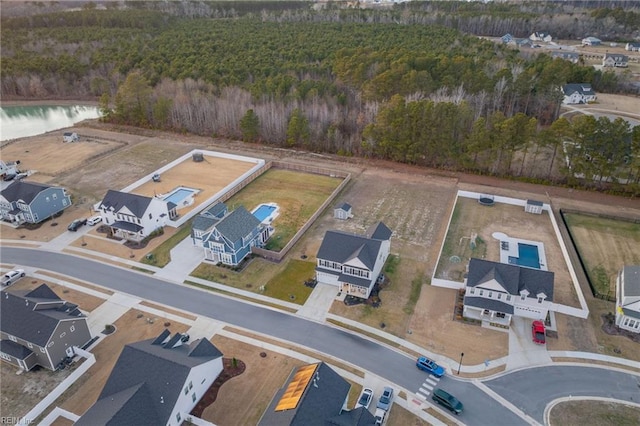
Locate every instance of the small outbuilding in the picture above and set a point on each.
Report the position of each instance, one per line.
(70, 137)
(533, 206)
(342, 212)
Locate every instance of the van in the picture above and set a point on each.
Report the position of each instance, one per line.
(448, 401)
(94, 220)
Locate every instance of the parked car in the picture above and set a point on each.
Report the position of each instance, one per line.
(430, 366)
(538, 332)
(12, 276)
(94, 220)
(386, 399)
(9, 176)
(448, 401)
(73, 226)
(380, 416)
(365, 398)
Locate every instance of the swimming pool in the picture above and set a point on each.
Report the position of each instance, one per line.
(528, 256)
(179, 195)
(263, 212)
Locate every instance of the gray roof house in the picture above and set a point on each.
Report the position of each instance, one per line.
(578, 93)
(615, 60)
(573, 57)
(628, 298)
(132, 216)
(31, 202)
(633, 47)
(495, 292)
(39, 328)
(352, 262)
(591, 41)
(314, 395)
(155, 382)
(227, 237)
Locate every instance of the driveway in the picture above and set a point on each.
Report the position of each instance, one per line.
(522, 351)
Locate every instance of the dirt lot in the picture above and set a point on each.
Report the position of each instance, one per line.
(595, 413)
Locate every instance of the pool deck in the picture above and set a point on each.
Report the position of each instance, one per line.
(512, 249)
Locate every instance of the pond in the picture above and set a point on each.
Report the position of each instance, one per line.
(22, 121)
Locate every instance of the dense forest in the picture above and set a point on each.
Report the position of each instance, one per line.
(402, 83)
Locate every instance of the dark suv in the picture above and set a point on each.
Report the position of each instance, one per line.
(73, 226)
(448, 401)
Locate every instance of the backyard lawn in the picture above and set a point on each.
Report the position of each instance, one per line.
(297, 194)
(605, 246)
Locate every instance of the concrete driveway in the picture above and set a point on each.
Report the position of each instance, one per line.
(522, 351)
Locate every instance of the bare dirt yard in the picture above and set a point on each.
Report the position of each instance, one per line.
(595, 413)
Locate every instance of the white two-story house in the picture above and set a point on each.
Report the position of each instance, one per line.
(495, 292)
(578, 93)
(628, 299)
(133, 217)
(156, 382)
(351, 262)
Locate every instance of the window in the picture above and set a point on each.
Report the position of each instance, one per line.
(29, 345)
(150, 216)
(508, 298)
(632, 323)
(481, 292)
(186, 390)
(500, 315)
(472, 291)
(490, 294)
(35, 216)
(499, 296)
(193, 397)
(5, 356)
(190, 385)
(539, 299)
(523, 297)
(226, 258)
(356, 272)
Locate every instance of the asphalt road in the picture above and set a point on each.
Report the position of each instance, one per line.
(527, 388)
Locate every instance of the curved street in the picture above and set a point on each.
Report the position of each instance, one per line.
(526, 391)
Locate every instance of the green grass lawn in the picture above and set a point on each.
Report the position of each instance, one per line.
(280, 281)
(297, 194)
(161, 255)
(289, 283)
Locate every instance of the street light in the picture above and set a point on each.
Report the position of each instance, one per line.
(460, 365)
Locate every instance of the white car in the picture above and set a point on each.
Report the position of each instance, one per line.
(94, 220)
(380, 415)
(365, 398)
(12, 276)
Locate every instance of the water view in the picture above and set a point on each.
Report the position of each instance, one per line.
(21, 121)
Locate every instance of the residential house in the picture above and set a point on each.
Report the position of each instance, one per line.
(343, 212)
(615, 60)
(540, 36)
(70, 137)
(495, 292)
(352, 262)
(9, 168)
(39, 328)
(155, 382)
(32, 202)
(580, 93)
(133, 217)
(628, 299)
(227, 237)
(314, 395)
(573, 57)
(632, 47)
(591, 41)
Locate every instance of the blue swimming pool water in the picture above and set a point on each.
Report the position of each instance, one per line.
(178, 195)
(527, 256)
(263, 212)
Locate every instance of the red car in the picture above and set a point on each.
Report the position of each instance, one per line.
(537, 332)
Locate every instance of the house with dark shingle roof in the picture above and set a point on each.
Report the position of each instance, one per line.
(580, 93)
(133, 217)
(314, 395)
(352, 262)
(573, 57)
(156, 382)
(227, 237)
(31, 202)
(615, 60)
(628, 298)
(39, 328)
(495, 292)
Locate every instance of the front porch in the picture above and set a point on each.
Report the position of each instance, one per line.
(487, 315)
